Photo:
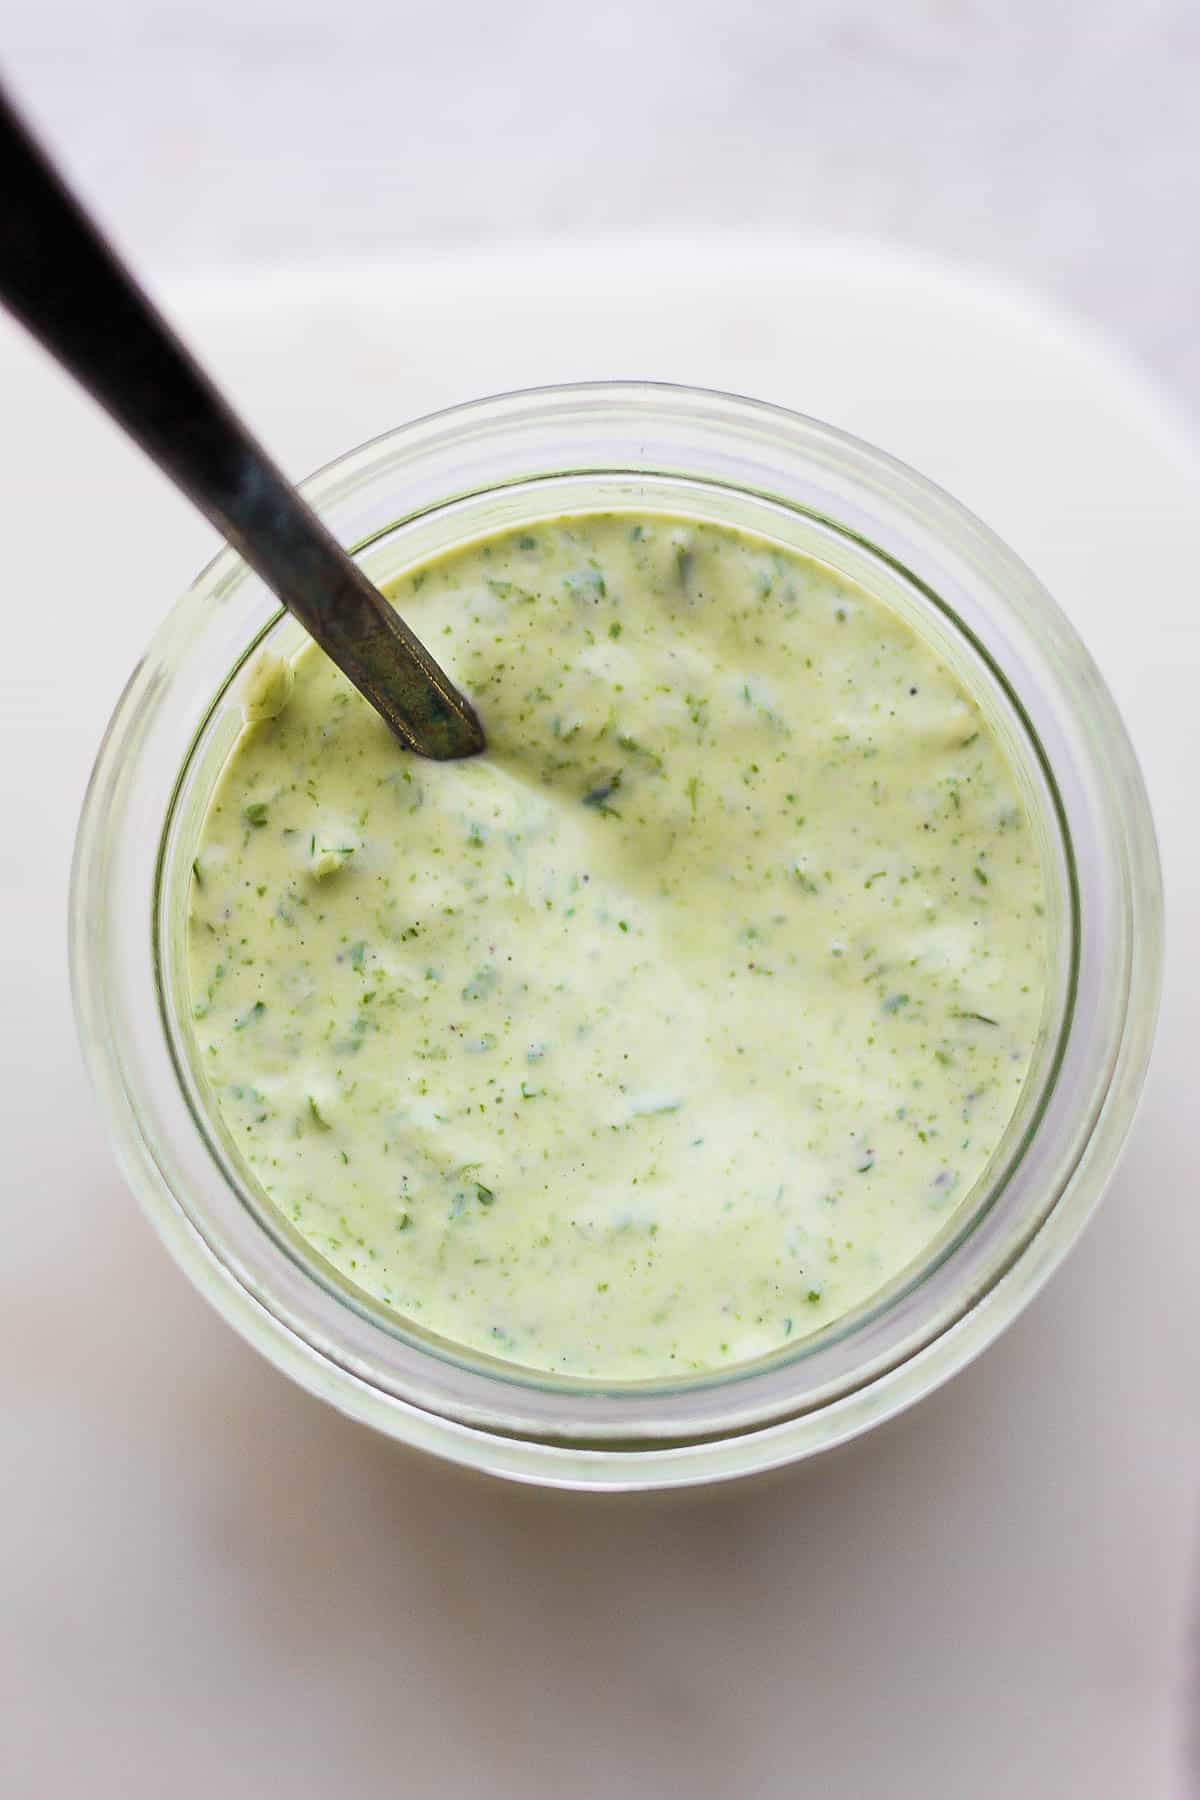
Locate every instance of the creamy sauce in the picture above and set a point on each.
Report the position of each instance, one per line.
(676, 1024)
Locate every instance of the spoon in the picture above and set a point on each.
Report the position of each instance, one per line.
(64, 282)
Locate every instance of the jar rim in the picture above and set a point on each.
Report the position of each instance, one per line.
(646, 1434)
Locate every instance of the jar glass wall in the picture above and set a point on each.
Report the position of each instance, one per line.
(509, 462)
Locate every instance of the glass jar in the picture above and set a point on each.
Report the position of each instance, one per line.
(509, 462)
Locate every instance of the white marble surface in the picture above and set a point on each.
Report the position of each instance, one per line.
(210, 1582)
(1054, 140)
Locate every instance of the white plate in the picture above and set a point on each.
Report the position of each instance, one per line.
(216, 1584)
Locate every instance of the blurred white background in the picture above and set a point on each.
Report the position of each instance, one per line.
(1057, 140)
(209, 1583)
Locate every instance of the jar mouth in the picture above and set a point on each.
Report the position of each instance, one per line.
(514, 460)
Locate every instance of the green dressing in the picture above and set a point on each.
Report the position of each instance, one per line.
(675, 1025)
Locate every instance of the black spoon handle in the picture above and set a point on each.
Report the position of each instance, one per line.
(64, 282)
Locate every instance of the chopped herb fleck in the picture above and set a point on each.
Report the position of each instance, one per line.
(600, 795)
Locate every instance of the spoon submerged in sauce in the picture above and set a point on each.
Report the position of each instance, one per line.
(64, 282)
